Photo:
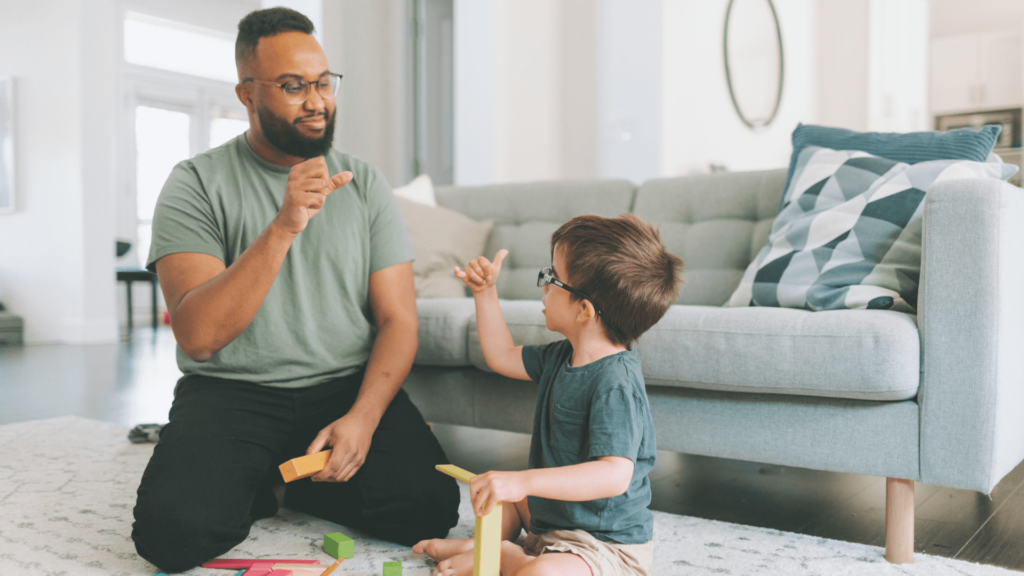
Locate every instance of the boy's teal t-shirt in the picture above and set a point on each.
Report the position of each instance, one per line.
(584, 413)
(315, 323)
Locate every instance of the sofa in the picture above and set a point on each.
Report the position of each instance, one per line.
(936, 398)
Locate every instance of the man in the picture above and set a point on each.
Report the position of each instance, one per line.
(287, 274)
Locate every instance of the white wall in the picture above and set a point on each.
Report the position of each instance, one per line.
(56, 251)
(843, 63)
(475, 127)
(577, 89)
(527, 90)
(98, 106)
(699, 124)
(222, 15)
(579, 73)
(364, 41)
(949, 17)
(629, 89)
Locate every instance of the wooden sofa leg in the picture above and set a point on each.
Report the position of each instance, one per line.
(899, 521)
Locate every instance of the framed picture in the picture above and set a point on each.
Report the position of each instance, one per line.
(1010, 120)
(6, 144)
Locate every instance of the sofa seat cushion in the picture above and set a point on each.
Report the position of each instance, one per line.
(443, 331)
(856, 354)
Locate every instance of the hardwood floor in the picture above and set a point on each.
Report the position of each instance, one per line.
(132, 382)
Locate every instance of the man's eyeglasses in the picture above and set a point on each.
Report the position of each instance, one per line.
(297, 91)
(544, 277)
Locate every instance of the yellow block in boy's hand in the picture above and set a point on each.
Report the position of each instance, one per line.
(487, 544)
(304, 466)
(486, 533)
(455, 472)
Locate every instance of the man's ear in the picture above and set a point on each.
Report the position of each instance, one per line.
(244, 92)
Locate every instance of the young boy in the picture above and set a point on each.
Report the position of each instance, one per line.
(584, 499)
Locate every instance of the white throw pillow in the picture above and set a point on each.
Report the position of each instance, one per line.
(420, 190)
(442, 239)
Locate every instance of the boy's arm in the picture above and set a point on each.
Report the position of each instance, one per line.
(500, 352)
(605, 477)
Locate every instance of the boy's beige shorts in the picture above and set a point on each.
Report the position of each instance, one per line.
(604, 558)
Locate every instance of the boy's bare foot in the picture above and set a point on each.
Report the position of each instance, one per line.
(458, 565)
(442, 549)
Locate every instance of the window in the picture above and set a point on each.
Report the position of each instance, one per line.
(225, 124)
(180, 102)
(169, 45)
(161, 141)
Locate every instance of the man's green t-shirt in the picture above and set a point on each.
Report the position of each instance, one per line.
(315, 323)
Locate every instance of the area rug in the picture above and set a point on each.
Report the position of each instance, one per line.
(67, 488)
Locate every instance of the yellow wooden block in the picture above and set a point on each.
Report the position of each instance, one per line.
(487, 544)
(455, 472)
(486, 533)
(304, 466)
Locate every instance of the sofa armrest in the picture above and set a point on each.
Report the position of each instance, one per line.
(971, 317)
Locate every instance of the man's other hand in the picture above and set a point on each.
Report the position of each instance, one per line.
(309, 184)
(350, 437)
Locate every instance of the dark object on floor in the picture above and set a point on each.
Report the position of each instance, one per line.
(129, 275)
(145, 433)
(123, 247)
(12, 329)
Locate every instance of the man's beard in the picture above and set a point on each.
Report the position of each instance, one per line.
(286, 137)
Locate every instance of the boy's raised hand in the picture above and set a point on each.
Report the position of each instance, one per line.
(481, 274)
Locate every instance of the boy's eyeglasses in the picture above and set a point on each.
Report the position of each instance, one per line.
(544, 277)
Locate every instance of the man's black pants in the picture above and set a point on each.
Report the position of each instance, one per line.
(212, 472)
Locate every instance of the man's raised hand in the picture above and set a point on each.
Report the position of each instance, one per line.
(481, 274)
(309, 184)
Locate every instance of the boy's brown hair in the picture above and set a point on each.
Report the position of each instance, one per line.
(621, 264)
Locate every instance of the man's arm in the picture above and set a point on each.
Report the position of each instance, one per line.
(393, 301)
(210, 304)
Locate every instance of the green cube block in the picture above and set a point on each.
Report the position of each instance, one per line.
(392, 569)
(339, 545)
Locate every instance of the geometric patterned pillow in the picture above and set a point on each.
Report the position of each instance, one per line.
(849, 232)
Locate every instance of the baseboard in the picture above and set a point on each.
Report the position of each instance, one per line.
(89, 330)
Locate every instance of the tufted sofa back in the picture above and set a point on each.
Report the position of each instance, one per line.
(525, 216)
(716, 223)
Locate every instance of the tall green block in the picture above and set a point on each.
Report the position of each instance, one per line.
(392, 569)
(339, 545)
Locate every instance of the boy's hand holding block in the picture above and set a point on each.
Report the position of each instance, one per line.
(304, 466)
(486, 532)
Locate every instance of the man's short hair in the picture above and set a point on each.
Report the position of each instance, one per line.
(260, 23)
(621, 264)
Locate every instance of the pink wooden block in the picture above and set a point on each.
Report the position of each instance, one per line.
(238, 563)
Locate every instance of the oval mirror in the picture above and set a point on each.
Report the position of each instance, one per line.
(753, 60)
